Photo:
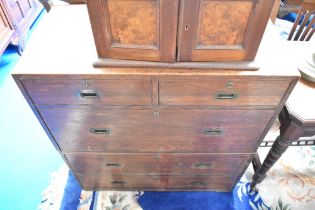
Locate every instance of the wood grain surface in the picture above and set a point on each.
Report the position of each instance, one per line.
(108, 92)
(158, 183)
(156, 130)
(166, 164)
(135, 29)
(205, 93)
(212, 31)
(133, 22)
(221, 25)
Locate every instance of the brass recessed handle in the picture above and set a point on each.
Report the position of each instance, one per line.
(226, 96)
(118, 182)
(113, 165)
(101, 131)
(89, 94)
(199, 184)
(213, 131)
(201, 165)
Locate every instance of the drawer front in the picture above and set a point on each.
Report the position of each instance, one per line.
(213, 183)
(167, 164)
(114, 163)
(197, 131)
(154, 182)
(222, 92)
(104, 92)
(118, 181)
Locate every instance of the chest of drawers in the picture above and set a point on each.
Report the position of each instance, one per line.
(146, 129)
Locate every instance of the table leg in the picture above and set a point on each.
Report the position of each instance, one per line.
(256, 162)
(289, 131)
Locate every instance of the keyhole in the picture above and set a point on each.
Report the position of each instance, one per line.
(229, 84)
(186, 27)
(85, 84)
(156, 114)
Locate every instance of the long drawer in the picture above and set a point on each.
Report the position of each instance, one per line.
(197, 131)
(167, 164)
(222, 91)
(122, 92)
(155, 182)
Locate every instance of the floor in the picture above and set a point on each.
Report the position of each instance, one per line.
(27, 156)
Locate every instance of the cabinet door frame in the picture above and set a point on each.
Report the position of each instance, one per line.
(22, 25)
(188, 29)
(163, 51)
(6, 33)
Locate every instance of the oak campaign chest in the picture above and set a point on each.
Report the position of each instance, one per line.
(147, 128)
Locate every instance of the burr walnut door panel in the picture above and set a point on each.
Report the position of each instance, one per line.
(221, 30)
(135, 29)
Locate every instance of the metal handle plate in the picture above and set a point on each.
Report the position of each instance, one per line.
(199, 184)
(201, 165)
(213, 131)
(101, 131)
(89, 94)
(118, 183)
(226, 96)
(113, 165)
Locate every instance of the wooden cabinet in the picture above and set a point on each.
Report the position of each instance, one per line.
(147, 128)
(20, 14)
(6, 33)
(179, 30)
(156, 132)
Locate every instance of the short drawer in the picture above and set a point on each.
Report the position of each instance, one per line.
(213, 183)
(104, 92)
(166, 164)
(222, 91)
(198, 131)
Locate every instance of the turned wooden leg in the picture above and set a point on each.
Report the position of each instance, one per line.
(256, 162)
(289, 131)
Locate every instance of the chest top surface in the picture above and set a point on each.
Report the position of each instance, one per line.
(63, 44)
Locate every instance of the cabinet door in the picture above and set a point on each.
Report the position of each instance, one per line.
(20, 11)
(5, 31)
(135, 29)
(221, 30)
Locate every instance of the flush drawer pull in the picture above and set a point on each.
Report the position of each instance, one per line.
(199, 184)
(118, 183)
(102, 131)
(89, 94)
(201, 165)
(112, 164)
(223, 96)
(213, 131)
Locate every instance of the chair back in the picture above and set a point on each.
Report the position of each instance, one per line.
(306, 20)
